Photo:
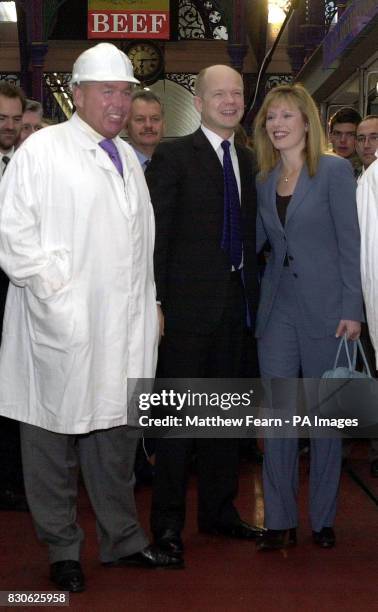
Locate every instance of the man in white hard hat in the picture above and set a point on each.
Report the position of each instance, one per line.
(76, 240)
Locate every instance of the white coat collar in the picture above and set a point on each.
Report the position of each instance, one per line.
(89, 139)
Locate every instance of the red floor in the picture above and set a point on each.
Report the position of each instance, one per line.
(222, 574)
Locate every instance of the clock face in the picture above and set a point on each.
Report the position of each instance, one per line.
(147, 60)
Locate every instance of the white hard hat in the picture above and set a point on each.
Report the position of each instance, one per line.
(103, 62)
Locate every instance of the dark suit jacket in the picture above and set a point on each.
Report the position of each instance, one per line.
(192, 272)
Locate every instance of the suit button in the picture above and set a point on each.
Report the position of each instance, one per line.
(295, 275)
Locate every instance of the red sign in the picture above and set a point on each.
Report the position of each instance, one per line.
(135, 22)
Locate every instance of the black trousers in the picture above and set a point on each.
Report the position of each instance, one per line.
(191, 355)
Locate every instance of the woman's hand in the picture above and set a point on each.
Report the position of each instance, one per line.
(352, 329)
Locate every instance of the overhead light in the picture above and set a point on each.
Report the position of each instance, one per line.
(276, 11)
(8, 12)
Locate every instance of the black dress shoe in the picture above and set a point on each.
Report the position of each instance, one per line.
(325, 538)
(239, 530)
(12, 501)
(67, 576)
(149, 557)
(170, 541)
(276, 539)
(374, 468)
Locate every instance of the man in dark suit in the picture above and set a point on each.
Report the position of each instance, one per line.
(206, 296)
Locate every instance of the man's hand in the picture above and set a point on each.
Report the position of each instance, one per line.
(352, 329)
(161, 322)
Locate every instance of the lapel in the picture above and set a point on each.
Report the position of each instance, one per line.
(208, 159)
(246, 177)
(127, 159)
(100, 157)
(302, 187)
(272, 189)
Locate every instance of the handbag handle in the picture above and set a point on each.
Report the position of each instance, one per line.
(358, 346)
(343, 342)
(352, 362)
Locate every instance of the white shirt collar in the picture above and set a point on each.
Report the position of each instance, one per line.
(8, 153)
(141, 156)
(215, 139)
(89, 130)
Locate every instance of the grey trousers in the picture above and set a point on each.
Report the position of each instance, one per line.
(51, 462)
(285, 350)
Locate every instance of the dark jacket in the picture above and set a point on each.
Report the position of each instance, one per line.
(192, 272)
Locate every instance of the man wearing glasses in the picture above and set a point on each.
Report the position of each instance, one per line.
(367, 141)
(342, 134)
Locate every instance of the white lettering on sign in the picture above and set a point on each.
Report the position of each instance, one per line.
(132, 23)
(157, 23)
(100, 22)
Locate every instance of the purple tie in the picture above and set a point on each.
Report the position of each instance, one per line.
(231, 238)
(109, 146)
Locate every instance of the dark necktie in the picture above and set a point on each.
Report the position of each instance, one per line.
(146, 164)
(6, 161)
(231, 238)
(109, 146)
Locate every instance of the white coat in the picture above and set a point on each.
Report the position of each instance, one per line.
(76, 241)
(367, 205)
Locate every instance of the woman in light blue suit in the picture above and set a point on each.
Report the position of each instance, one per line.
(310, 294)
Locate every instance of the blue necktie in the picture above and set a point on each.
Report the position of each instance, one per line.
(231, 238)
(109, 146)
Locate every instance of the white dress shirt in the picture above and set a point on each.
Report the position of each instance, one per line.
(216, 143)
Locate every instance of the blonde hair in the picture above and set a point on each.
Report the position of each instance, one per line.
(296, 95)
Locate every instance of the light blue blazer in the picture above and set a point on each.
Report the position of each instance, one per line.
(322, 240)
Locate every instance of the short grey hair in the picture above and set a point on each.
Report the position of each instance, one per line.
(147, 96)
(34, 107)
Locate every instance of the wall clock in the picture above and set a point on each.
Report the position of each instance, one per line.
(147, 59)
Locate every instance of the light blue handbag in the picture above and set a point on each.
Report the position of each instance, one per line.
(346, 393)
(350, 371)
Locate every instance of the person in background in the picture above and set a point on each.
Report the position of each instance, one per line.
(47, 122)
(145, 128)
(145, 124)
(12, 105)
(12, 495)
(81, 322)
(366, 147)
(367, 140)
(310, 297)
(342, 134)
(31, 120)
(367, 203)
